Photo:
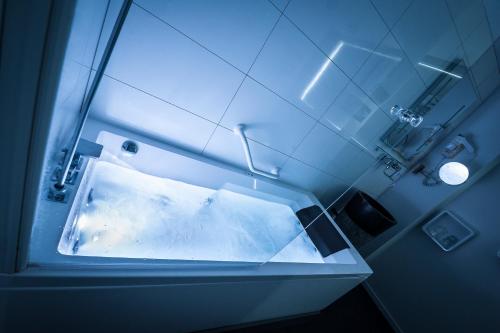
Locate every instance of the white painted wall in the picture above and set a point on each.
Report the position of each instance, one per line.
(428, 290)
(423, 288)
(409, 199)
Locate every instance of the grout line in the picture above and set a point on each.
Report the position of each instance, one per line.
(242, 81)
(89, 78)
(468, 68)
(332, 62)
(317, 121)
(391, 31)
(190, 38)
(493, 40)
(277, 8)
(160, 99)
(223, 114)
(281, 97)
(247, 75)
(250, 68)
(208, 140)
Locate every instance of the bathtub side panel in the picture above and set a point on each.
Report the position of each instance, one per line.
(166, 308)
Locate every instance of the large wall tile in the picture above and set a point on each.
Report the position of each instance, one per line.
(346, 30)
(388, 76)
(391, 10)
(427, 34)
(477, 43)
(373, 128)
(226, 147)
(320, 147)
(467, 14)
(493, 12)
(268, 118)
(302, 175)
(281, 4)
(349, 111)
(155, 58)
(485, 66)
(235, 30)
(294, 68)
(125, 106)
(351, 164)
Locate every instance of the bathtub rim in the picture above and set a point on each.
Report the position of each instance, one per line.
(41, 258)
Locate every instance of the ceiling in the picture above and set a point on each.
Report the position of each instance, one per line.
(313, 80)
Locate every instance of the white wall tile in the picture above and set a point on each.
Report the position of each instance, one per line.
(369, 134)
(281, 4)
(428, 35)
(350, 164)
(320, 147)
(389, 77)
(112, 13)
(485, 66)
(302, 175)
(235, 30)
(467, 14)
(268, 118)
(349, 111)
(332, 194)
(226, 147)
(84, 36)
(493, 12)
(155, 58)
(391, 10)
(125, 106)
(477, 43)
(294, 68)
(489, 85)
(346, 30)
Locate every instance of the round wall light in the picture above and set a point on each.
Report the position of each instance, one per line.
(453, 173)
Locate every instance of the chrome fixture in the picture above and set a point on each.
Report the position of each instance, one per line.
(239, 130)
(392, 167)
(406, 115)
(85, 148)
(130, 147)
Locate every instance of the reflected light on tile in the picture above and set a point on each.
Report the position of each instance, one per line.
(360, 144)
(440, 70)
(323, 68)
(380, 54)
(334, 125)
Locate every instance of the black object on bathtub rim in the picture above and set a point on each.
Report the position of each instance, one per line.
(369, 214)
(323, 234)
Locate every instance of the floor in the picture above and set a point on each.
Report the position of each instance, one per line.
(354, 312)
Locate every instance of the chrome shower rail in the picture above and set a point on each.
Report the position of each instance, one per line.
(239, 130)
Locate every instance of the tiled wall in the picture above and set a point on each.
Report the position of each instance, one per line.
(312, 80)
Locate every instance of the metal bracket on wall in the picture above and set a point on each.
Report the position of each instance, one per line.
(85, 148)
(393, 168)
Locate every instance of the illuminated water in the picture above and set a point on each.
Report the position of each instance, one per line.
(134, 215)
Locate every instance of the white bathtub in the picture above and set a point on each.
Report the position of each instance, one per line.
(162, 161)
(156, 204)
(216, 293)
